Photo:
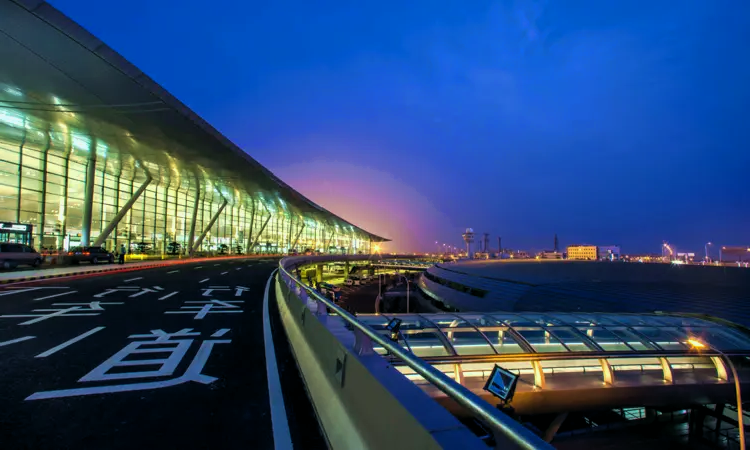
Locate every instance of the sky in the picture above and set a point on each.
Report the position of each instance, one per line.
(604, 122)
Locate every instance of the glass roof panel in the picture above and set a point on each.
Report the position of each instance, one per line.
(598, 319)
(636, 320)
(543, 320)
(666, 338)
(412, 322)
(632, 339)
(574, 341)
(606, 339)
(480, 320)
(541, 340)
(449, 321)
(719, 338)
(686, 321)
(426, 343)
(514, 320)
(375, 322)
(504, 342)
(469, 343)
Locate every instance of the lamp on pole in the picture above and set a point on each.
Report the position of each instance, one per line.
(380, 293)
(407, 292)
(708, 259)
(697, 344)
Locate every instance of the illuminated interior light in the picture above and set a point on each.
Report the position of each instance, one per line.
(12, 118)
(13, 91)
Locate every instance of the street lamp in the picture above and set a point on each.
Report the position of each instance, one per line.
(407, 292)
(380, 295)
(708, 260)
(696, 344)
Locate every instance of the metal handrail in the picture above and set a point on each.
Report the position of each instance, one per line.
(512, 357)
(500, 423)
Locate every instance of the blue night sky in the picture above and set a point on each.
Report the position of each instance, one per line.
(606, 122)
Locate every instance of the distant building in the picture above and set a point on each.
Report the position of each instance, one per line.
(734, 253)
(550, 254)
(519, 254)
(609, 252)
(582, 252)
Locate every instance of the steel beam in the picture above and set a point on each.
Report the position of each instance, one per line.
(88, 196)
(328, 244)
(210, 224)
(257, 238)
(294, 245)
(121, 214)
(191, 239)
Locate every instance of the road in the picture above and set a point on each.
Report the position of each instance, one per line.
(171, 357)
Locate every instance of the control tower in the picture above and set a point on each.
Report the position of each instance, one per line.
(469, 239)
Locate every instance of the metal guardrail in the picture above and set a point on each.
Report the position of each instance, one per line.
(503, 426)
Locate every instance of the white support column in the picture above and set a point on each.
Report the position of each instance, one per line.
(121, 214)
(208, 228)
(191, 239)
(260, 232)
(88, 196)
(294, 244)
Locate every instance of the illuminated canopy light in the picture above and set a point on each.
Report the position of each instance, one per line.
(81, 142)
(12, 118)
(13, 91)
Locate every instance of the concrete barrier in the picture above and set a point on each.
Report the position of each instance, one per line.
(361, 401)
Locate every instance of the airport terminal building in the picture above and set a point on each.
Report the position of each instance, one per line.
(92, 151)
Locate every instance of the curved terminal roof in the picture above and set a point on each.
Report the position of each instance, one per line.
(447, 335)
(60, 81)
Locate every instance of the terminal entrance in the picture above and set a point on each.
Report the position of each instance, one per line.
(16, 233)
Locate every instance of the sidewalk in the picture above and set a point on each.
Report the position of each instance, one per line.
(56, 272)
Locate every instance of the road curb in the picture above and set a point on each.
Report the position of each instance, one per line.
(118, 269)
(73, 274)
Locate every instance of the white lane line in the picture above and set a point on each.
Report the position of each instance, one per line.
(132, 279)
(56, 349)
(282, 439)
(174, 271)
(18, 291)
(238, 268)
(224, 273)
(167, 296)
(221, 332)
(199, 267)
(53, 296)
(215, 265)
(13, 341)
(203, 280)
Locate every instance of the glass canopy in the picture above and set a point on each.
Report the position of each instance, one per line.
(435, 335)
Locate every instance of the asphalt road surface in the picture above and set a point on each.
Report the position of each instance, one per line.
(171, 357)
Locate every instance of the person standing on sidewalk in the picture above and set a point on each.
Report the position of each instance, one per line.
(122, 254)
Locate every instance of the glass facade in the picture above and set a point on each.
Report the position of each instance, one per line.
(50, 173)
(509, 333)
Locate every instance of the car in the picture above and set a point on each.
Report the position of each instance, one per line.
(13, 255)
(91, 254)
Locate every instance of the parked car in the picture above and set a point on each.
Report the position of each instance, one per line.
(91, 254)
(12, 255)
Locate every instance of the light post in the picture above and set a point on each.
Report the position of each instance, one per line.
(708, 259)
(407, 292)
(380, 295)
(697, 345)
